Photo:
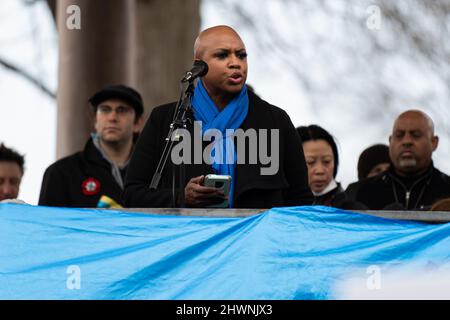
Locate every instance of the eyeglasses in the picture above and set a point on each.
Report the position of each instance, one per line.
(120, 110)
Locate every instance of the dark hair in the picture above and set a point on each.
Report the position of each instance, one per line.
(371, 157)
(315, 132)
(10, 155)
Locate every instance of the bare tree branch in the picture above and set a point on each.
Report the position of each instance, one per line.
(52, 6)
(28, 77)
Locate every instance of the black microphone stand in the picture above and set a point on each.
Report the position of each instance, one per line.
(180, 121)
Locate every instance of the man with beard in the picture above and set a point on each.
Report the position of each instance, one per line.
(412, 182)
(95, 177)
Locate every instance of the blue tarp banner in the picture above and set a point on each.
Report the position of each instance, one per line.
(283, 253)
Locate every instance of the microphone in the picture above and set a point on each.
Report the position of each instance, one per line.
(199, 69)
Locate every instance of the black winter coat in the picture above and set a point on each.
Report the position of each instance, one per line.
(288, 187)
(337, 198)
(79, 180)
(389, 191)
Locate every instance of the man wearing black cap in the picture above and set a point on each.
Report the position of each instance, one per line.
(95, 176)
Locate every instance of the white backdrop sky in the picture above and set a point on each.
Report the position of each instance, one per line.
(28, 116)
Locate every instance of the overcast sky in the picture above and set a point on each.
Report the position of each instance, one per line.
(28, 117)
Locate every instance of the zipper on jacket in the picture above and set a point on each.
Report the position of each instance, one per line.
(407, 195)
(408, 191)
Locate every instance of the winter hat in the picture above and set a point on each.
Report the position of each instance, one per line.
(371, 157)
(121, 92)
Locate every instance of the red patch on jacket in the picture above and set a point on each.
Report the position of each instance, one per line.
(90, 186)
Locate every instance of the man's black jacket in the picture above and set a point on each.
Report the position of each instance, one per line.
(389, 191)
(288, 187)
(79, 180)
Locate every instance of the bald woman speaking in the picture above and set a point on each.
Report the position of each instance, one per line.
(232, 132)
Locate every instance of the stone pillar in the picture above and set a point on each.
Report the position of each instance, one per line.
(166, 31)
(100, 53)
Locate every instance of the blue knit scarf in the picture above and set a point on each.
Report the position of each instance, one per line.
(231, 117)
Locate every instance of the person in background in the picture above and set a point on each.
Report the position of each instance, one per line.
(11, 173)
(373, 161)
(322, 160)
(411, 182)
(95, 176)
